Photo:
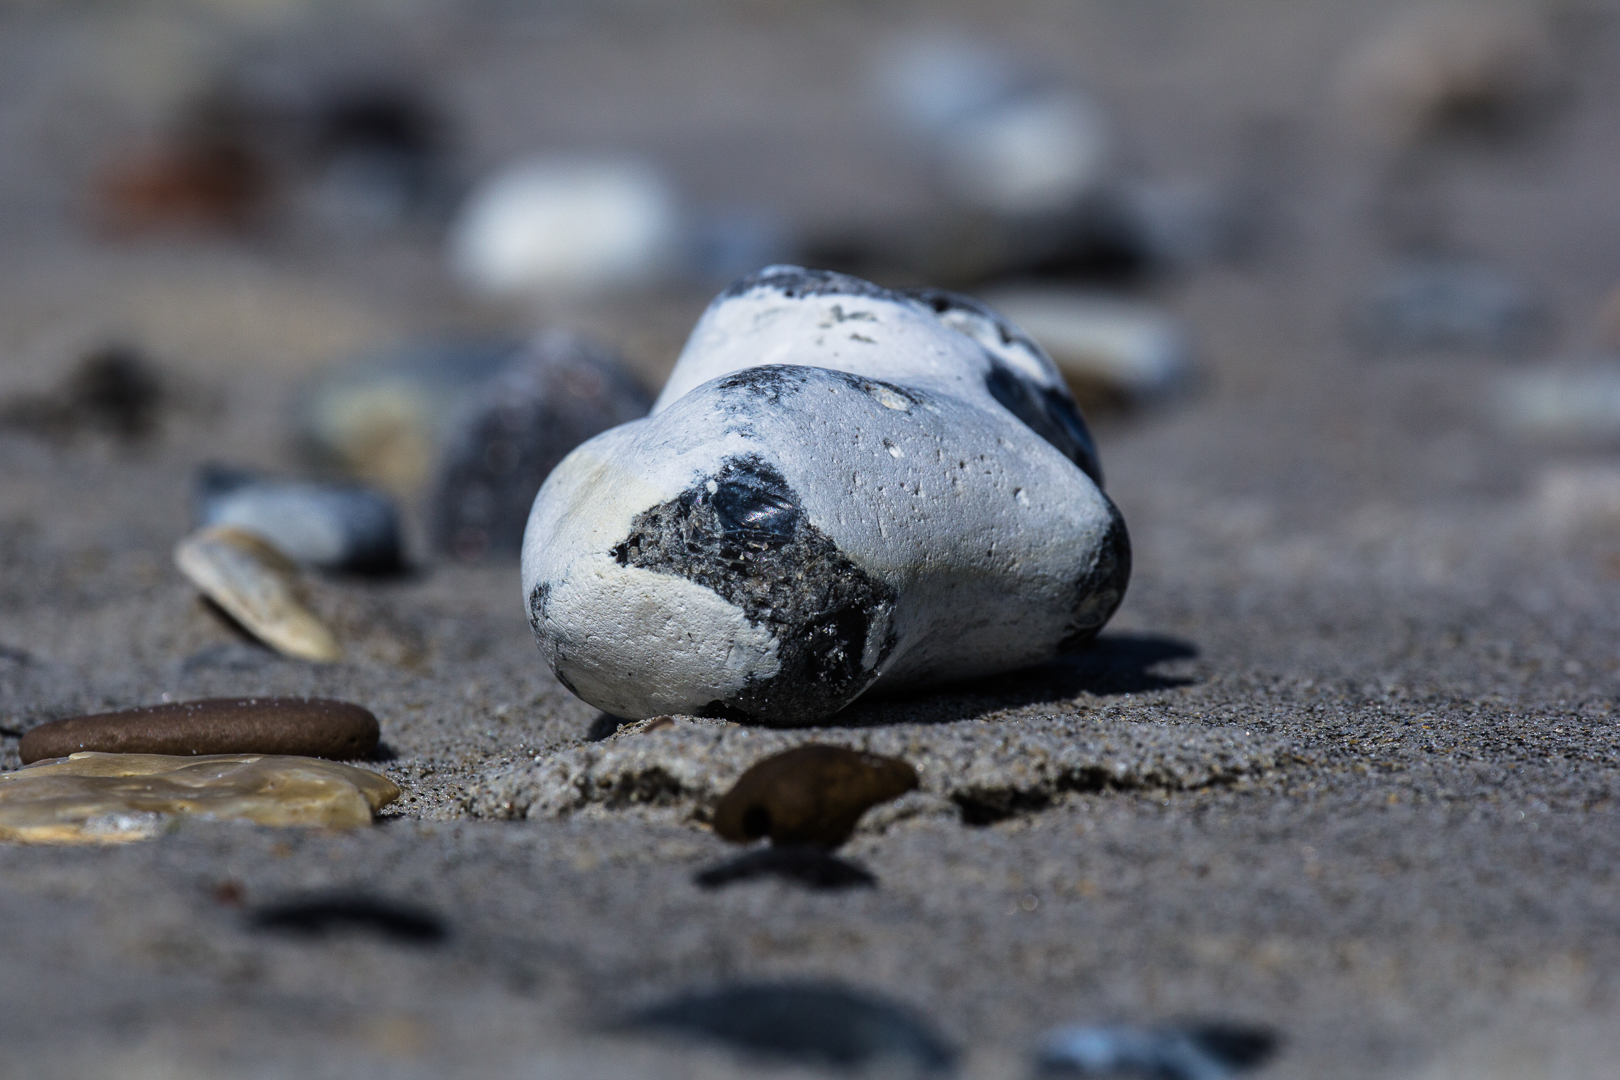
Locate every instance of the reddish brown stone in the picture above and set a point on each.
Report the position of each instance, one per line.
(811, 795)
(305, 727)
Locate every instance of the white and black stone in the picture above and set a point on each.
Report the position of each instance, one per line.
(840, 487)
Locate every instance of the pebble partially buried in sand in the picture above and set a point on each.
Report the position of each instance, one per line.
(841, 486)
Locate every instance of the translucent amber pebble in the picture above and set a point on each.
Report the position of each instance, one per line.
(93, 798)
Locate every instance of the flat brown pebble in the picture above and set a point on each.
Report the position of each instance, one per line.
(303, 727)
(811, 794)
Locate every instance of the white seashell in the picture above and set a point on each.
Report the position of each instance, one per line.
(840, 486)
(258, 587)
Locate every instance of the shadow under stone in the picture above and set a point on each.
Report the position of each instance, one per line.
(324, 914)
(1113, 664)
(808, 866)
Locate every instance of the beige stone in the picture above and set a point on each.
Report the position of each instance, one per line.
(257, 586)
(110, 798)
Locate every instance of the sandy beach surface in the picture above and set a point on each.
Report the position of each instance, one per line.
(1343, 766)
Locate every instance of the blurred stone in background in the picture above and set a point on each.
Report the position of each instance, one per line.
(1451, 68)
(567, 226)
(384, 418)
(555, 394)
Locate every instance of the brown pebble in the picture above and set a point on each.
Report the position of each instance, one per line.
(811, 794)
(305, 727)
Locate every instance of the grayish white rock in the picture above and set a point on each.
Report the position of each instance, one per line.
(840, 486)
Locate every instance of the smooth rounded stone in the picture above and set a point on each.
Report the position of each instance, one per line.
(108, 798)
(1562, 405)
(386, 418)
(566, 225)
(809, 796)
(815, 1023)
(1181, 1052)
(1450, 306)
(257, 586)
(1438, 67)
(808, 866)
(303, 727)
(1111, 352)
(834, 476)
(332, 526)
(552, 396)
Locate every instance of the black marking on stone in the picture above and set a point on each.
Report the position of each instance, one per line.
(741, 534)
(1047, 411)
(317, 916)
(941, 301)
(1100, 588)
(809, 866)
(816, 1023)
(539, 596)
(772, 382)
(797, 283)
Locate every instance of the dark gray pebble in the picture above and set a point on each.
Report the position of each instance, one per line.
(808, 866)
(303, 727)
(553, 396)
(1191, 1052)
(332, 526)
(320, 915)
(815, 1023)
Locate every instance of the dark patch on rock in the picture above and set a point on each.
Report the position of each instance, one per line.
(1180, 1052)
(797, 283)
(1101, 587)
(304, 727)
(1047, 411)
(803, 864)
(810, 795)
(559, 393)
(815, 1023)
(318, 916)
(741, 533)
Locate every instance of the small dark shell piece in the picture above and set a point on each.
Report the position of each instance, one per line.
(303, 727)
(812, 794)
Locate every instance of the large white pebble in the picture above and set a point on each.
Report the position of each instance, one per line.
(841, 487)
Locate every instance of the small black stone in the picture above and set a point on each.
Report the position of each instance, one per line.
(317, 916)
(815, 1023)
(806, 865)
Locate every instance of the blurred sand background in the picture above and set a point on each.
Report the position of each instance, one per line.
(1341, 558)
